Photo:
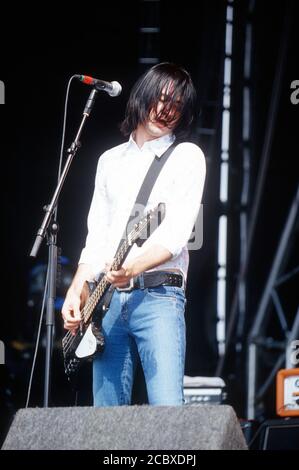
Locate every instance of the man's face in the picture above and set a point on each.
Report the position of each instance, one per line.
(162, 119)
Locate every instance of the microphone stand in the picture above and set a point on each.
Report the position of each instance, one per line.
(51, 232)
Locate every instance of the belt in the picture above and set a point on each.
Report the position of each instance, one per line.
(154, 279)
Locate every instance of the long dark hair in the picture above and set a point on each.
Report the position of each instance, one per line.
(147, 92)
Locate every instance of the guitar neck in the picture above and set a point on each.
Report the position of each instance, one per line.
(103, 285)
(118, 260)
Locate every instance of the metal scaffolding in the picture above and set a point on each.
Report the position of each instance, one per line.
(258, 340)
(149, 32)
(237, 315)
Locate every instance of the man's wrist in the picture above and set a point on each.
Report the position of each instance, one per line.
(133, 269)
(153, 257)
(74, 290)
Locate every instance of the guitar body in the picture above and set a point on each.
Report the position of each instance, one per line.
(87, 341)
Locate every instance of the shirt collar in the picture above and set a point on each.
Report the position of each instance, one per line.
(156, 146)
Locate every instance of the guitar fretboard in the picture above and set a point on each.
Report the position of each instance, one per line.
(98, 292)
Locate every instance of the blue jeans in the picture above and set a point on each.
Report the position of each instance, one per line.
(150, 322)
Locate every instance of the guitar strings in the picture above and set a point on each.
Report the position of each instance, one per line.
(69, 338)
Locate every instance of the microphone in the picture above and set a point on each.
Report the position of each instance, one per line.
(112, 88)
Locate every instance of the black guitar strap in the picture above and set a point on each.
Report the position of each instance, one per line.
(148, 184)
(142, 199)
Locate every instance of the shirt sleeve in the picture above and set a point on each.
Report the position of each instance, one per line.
(94, 251)
(183, 204)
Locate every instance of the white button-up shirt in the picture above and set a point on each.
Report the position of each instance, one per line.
(120, 173)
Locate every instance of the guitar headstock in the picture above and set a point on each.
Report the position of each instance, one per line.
(147, 224)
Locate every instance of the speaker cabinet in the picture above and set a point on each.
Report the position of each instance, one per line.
(126, 427)
(277, 434)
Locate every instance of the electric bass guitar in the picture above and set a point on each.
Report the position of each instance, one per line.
(89, 339)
